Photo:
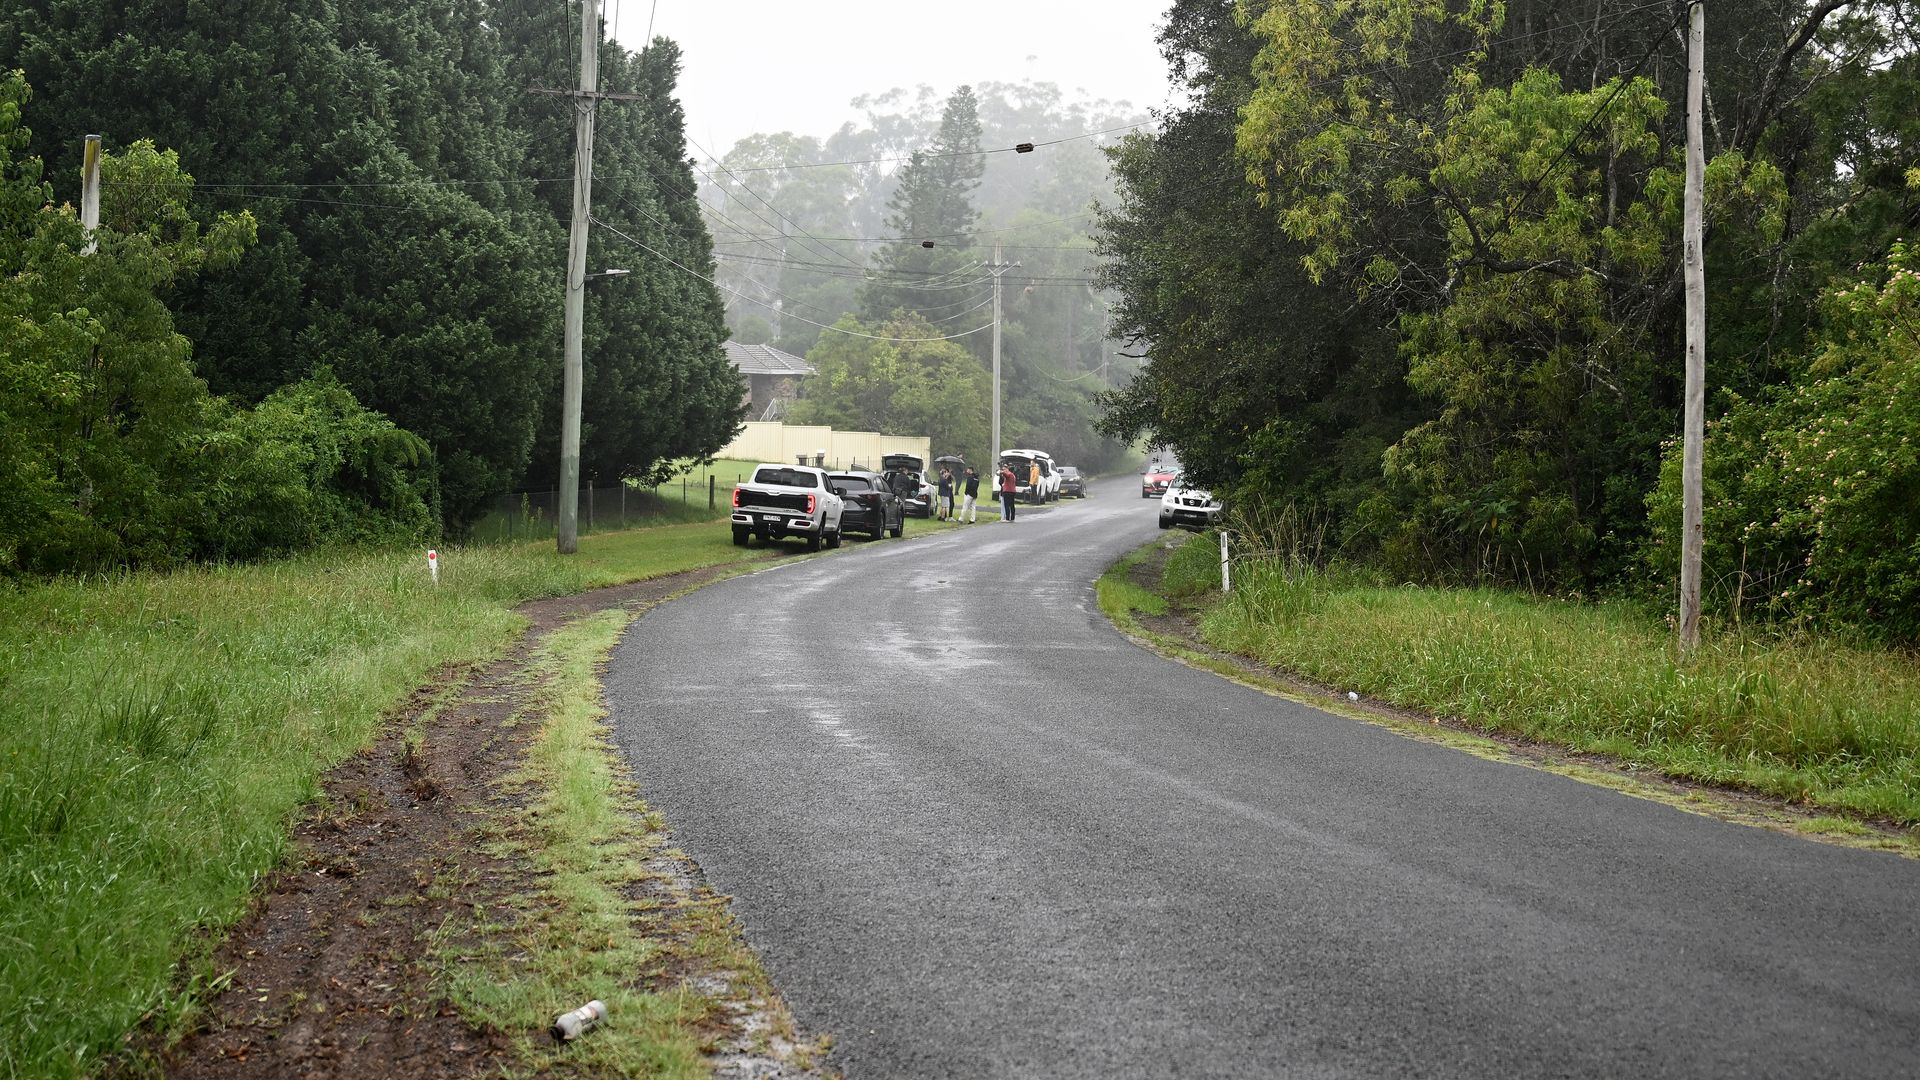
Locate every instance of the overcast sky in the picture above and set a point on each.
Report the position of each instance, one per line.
(793, 65)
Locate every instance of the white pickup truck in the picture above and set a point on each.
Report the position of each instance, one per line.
(787, 500)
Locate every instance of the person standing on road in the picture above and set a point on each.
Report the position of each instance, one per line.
(946, 494)
(1033, 481)
(967, 510)
(1008, 487)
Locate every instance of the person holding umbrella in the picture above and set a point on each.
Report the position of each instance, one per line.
(946, 494)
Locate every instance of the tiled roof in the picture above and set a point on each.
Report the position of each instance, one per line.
(765, 360)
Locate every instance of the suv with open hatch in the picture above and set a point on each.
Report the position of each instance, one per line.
(907, 475)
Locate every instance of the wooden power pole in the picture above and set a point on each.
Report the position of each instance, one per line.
(1692, 528)
(567, 537)
(996, 268)
(90, 194)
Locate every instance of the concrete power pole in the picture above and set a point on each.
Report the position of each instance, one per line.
(996, 268)
(1692, 528)
(567, 538)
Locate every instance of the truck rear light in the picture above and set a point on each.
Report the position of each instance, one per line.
(812, 501)
(736, 498)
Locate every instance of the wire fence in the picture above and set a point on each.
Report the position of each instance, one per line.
(534, 515)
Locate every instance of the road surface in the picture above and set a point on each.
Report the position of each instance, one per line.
(974, 832)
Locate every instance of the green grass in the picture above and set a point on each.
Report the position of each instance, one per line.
(578, 932)
(1811, 720)
(584, 848)
(612, 507)
(158, 732)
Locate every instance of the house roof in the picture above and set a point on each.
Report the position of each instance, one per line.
(765, 360)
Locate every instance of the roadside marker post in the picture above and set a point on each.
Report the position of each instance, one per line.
(433, 565)
(1226, 571)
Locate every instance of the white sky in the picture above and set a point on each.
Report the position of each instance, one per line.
(793, 65)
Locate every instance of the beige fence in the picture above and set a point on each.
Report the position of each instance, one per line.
(770, 441)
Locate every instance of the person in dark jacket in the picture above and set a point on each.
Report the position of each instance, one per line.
(946, 493)
(972, 492)
(1008, 487)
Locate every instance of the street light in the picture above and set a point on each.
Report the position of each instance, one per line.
(609, 272)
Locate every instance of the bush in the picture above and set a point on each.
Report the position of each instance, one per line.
(309, 466)
(1812, 495)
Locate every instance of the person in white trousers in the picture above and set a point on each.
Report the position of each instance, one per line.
(972, 491)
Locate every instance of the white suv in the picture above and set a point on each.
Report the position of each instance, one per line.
(1191, 507)
(1021, 462)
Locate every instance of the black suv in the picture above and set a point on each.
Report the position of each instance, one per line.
(870, 505)
(1072, 483)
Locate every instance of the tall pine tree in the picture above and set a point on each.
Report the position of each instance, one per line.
(932, 205)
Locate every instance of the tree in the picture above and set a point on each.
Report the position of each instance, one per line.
(878, 382)
(931, 212)
(102, 412)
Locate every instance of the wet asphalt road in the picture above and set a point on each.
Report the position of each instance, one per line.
(973, 832)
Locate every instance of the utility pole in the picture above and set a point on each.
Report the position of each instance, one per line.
(90, 193)
(1692, 528)
(996, 268)
(567, 538)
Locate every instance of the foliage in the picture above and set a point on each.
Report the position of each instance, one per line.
(310, 466)
(1465, 221)
(931, 215)
(883, 383)
(1813, 491)
(383, 150)
(158, 731)
(1812, 721)
(104, 417)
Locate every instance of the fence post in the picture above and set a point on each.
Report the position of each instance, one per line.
(623, 504)
(1226, 571)
(589, 506)
(710, 490)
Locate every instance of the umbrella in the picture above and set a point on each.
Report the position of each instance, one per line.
(950, 459)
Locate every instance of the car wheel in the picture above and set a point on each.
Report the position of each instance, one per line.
(1166, 522)
(813, 540)
(901, 528)
(740, 537)
(833, 541)
(879, 527)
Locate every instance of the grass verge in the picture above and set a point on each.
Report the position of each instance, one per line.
(1809, 721)
(159, 732)
(600, 917)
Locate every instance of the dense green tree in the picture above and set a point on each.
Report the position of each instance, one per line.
(658, 388)
(878, 377)
(1256, 377)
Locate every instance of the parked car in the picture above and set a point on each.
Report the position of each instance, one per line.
(1072, 483)
(871, 506)
(914, 489)
(1188, 507)
(787, 500)
(1155, 478)
(1022, 463)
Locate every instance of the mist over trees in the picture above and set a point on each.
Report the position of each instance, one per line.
(811, 230)
(1419, 275)
(408, 200)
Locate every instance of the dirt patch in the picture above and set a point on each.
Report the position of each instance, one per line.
(334, 972)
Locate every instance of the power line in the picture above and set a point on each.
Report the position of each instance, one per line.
(670, 261)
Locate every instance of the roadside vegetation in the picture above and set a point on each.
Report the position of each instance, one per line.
(1414, 271)
(159, 731)
(1810, 719)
